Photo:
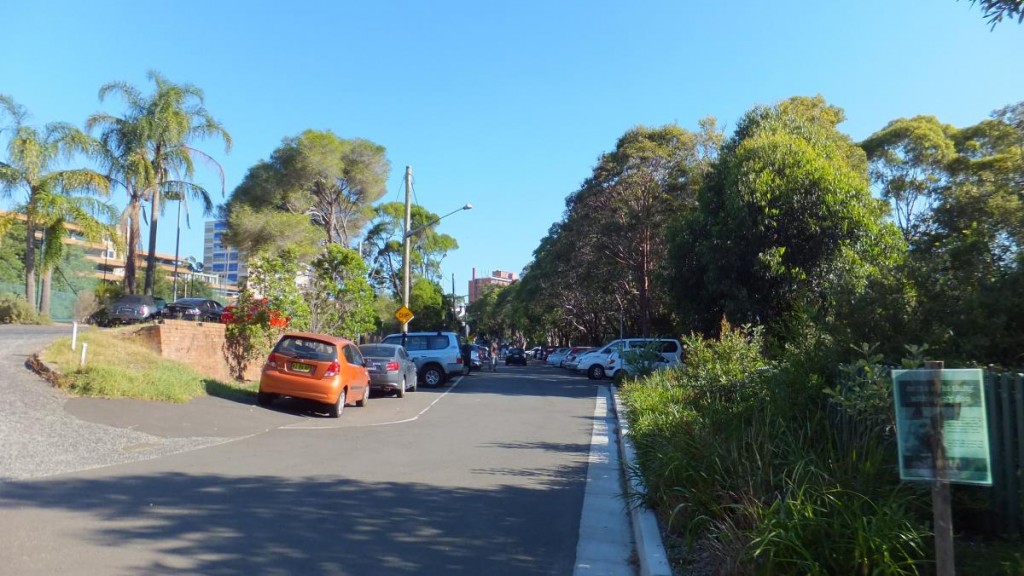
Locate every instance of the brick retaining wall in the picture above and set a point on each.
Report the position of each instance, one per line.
(198, 344)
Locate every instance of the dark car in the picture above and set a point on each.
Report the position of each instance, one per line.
(128, 309)
(515, 356)
(200, 309)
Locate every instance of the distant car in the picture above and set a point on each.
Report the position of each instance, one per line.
(555, 358)
(477, 356)
(391, 370)
(130, 309)
(570, 361)
(200, 309)
(316, 367)
(515, 356)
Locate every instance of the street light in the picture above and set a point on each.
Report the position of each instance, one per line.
(419, 229)
(406, 234)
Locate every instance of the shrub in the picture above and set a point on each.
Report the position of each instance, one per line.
(15, 310)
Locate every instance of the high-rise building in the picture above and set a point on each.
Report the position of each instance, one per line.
(220, 259)
(497, 278)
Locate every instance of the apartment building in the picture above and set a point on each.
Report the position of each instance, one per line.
(497, 278)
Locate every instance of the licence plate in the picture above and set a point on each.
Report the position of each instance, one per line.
(300, 367)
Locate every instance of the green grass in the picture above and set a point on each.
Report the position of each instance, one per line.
(117, 367)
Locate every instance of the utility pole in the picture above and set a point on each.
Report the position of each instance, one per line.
(405, 246)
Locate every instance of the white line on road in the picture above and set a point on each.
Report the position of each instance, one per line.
(455, 384)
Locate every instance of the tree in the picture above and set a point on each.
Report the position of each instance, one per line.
(909, 160)
(331, 181)
(426, 300)
(786, 218)
(995, 10)
(150, 151)
(339, 297)
(54, 196)
(383, 246)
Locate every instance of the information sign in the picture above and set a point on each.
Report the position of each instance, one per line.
(964, 425)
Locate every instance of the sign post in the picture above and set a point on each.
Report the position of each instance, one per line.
(942, 431)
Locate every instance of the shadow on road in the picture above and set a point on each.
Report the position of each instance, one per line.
(213, 524)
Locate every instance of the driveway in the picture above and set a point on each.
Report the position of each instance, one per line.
(43, 431)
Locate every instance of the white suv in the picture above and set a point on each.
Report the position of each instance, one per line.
(438, 355)
(668, 352)
(596, 364)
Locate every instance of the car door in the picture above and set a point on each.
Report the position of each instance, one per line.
(408, 366)
(354, 372)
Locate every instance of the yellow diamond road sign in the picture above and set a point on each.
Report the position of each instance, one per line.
(403, 315)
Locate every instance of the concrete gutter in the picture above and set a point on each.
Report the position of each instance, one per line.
(650, 550)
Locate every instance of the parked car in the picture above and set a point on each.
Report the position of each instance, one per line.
(477, 357)
(317, 367)
(438, 355)
(570, 359)
(609, 358)
(555, 358)
(391, 370)
(130, 309)
(515, 356)
(536, 352)
(199, 309)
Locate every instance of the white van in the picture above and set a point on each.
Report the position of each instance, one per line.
(595, 364)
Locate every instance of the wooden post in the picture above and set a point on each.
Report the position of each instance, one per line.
(941, 501)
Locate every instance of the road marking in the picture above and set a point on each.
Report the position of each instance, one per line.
(301, 426)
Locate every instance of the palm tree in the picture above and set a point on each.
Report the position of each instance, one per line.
(54, 196)
(151, 156)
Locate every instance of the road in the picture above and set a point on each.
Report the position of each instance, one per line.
(484, 477)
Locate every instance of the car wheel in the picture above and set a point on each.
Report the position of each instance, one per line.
(432, 376)
(596, 372)
(264, 398)
(401, 389)
(338, 407)
(366, 397)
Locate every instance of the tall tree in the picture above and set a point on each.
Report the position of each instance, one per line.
(151, 150)
(382, 246)
(332, 181)
(786, 218)
(624, 209)
(54, 196)
(909, 159)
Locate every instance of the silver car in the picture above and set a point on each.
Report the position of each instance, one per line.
(391, 370)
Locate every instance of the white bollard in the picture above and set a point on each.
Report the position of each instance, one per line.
(74, 335)
(81, 363)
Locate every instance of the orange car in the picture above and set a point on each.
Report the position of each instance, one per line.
(316, 367)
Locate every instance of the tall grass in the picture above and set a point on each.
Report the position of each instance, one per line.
(117, 367)
(782, 477)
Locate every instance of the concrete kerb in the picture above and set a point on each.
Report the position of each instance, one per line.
(650, 549)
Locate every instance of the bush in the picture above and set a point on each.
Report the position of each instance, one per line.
(15, 310)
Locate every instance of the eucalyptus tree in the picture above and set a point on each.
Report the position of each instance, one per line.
(969, 266)
(54, 196)
(785, 218)
(331, 181)
(996, 10)
(623, 210)
(382, 245)
(151, 153)
(909, 163)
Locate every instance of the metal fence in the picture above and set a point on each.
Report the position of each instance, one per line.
(1004, 399)
(62, 304)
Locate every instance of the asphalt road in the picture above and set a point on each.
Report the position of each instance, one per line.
(484, 477)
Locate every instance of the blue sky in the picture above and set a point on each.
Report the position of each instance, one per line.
(503, 105)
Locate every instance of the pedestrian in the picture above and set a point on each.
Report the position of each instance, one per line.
(494, 356)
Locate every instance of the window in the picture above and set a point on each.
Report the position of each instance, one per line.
(233, 267)
(218, 267)
(220, 225)
(233, 256)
